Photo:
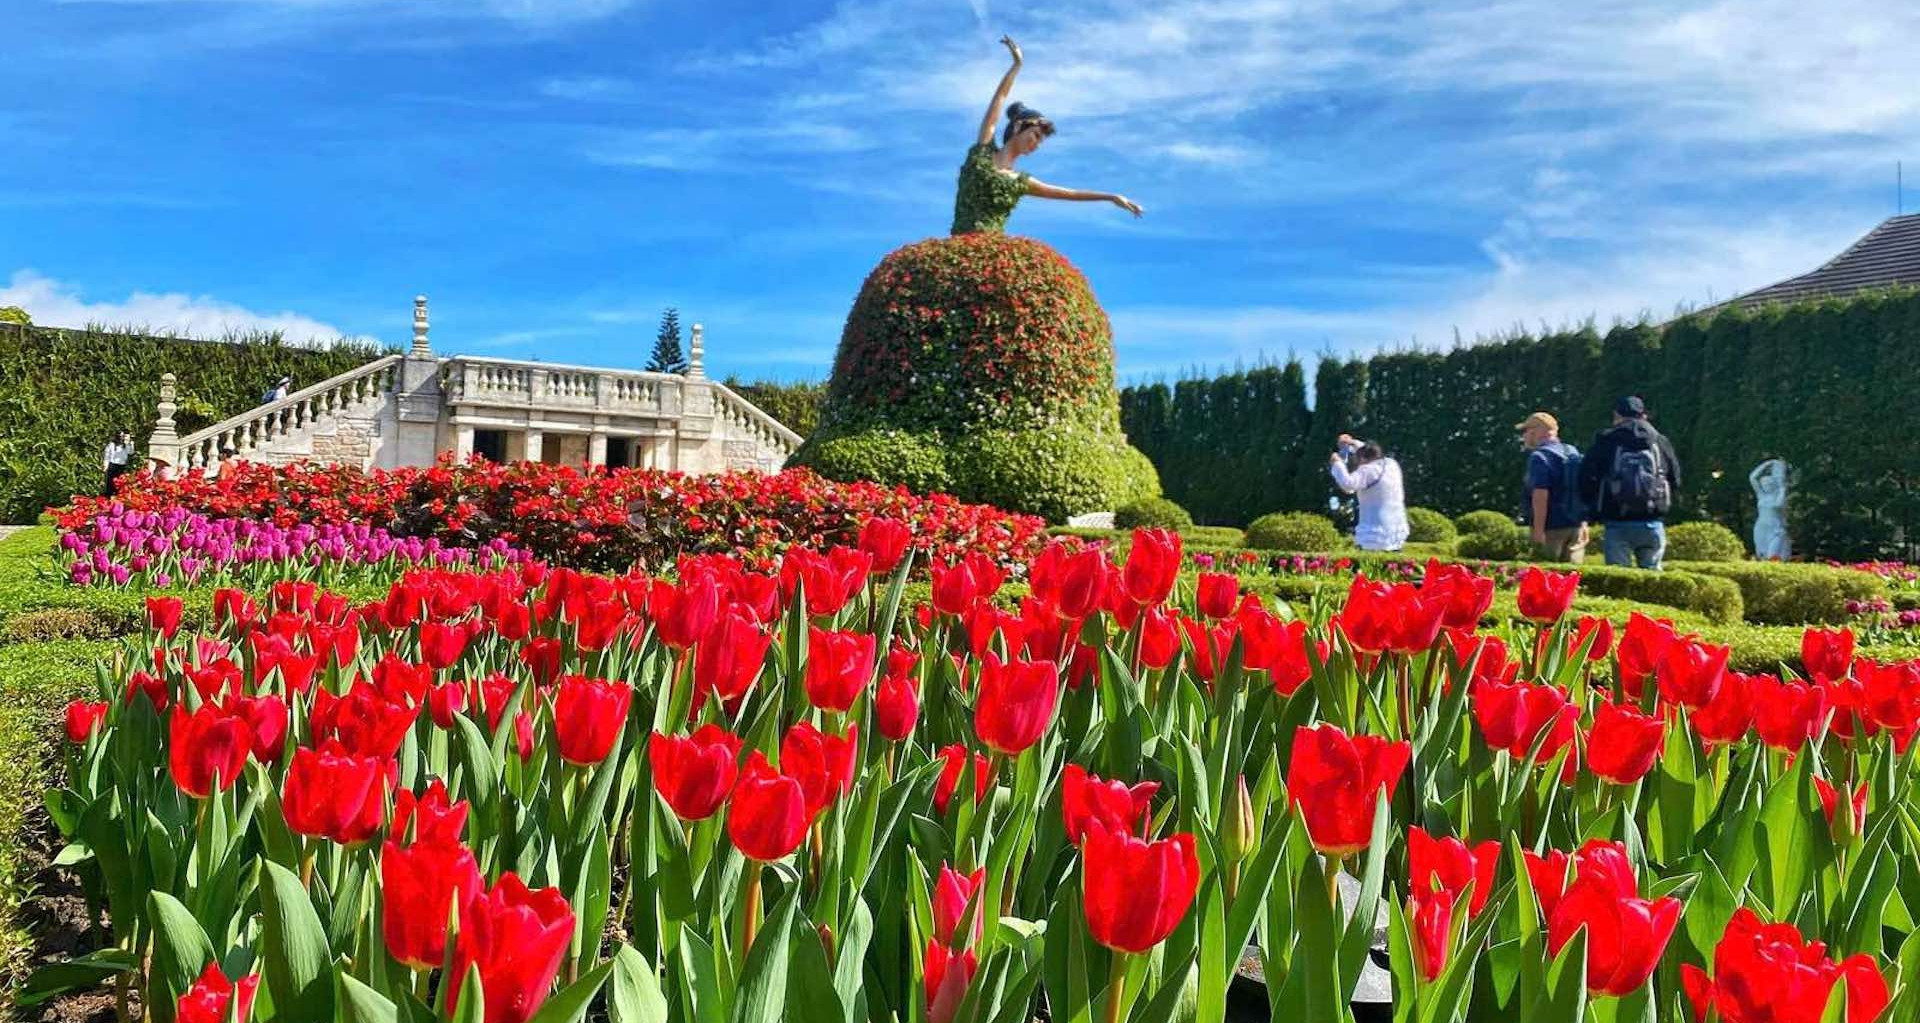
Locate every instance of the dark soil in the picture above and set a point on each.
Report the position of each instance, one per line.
(62, 927)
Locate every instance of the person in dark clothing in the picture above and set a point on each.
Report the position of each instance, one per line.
(1555, 517)
(1628, 480)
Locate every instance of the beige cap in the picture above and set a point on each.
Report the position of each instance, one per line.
(1539, 419)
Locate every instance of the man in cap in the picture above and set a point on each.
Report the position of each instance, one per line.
(1628, 480)
(1555, 516)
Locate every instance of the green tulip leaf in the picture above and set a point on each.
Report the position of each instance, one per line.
(633, 994)
(294, 954)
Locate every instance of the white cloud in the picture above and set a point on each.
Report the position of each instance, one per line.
(60, 304)
(590, 89)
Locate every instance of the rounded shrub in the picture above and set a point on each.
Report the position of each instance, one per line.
(1424, 525)
(916, 459)
(1293, 531)
(1154, 511)
(994, 349)
(1482, 521)
(1704, 541)
(1509, 543)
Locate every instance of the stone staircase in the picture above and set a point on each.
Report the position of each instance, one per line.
(412, 408)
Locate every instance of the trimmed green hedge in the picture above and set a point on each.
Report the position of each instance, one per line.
(1482, 520)
(1424, 525)
(1793, 594)
(1293, 531)
(68, 390)
(1153, 511)
(1507, 543)
(1703, 541)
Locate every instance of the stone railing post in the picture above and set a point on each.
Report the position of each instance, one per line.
(418, 405)
(165, 441)
(697, 359)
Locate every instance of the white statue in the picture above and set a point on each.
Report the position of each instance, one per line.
(1770, 542)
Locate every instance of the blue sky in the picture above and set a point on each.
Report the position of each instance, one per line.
(1319, 175)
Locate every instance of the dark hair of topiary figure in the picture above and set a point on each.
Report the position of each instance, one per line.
(989, 186)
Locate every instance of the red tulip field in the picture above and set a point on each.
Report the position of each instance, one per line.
(877, 777)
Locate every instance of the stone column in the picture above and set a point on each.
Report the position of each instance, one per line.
(697, 359)
(462, 442)
(418, 398)
(535, 445)
(597, 448)
(165, 441)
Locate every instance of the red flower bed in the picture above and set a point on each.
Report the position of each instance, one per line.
(588, 518)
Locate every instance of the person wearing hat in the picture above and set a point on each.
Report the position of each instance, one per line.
(1555, 519)
(1628, 480)
(280, 389)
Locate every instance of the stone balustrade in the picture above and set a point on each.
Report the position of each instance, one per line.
(253, 434)
(503, 382)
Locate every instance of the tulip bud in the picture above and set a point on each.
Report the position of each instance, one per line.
(1237, 830)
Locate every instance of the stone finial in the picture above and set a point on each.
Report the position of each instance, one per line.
(168, 392)
(420, 346)
(696, 358)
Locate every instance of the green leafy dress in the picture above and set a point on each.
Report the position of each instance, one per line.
(987, 195)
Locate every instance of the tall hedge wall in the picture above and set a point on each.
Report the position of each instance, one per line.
(1829, 386)
(64, 392)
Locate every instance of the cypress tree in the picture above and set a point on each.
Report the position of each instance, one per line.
(667, 356)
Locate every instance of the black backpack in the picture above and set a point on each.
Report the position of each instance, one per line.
(1637, 487)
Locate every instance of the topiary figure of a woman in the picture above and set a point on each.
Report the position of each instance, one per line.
(981, 364)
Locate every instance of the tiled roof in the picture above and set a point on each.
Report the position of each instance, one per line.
(1889, 255)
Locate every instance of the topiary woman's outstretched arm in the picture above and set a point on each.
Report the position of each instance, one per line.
(1046, 191)
(1000, 94)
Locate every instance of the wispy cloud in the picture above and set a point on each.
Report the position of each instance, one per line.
(61, 304)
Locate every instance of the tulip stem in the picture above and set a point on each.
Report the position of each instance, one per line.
(750, 910)
(1333, 884)
(1117, 988)
(307, 857)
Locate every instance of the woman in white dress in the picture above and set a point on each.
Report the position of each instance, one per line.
(1375, 480)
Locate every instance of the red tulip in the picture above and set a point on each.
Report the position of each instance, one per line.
(955, 590)
(1600, 631)
(822, 763)
(695, 773)
(266, 718)
(1626, 934)
(683, 614)
(1087, 802)
(331, 793)
(839, 666)
(1890, 696)
(588, 716)
(1333, 779)
(1600, 861)
(419, 885)
(83, 719)
(1430, 925)
(1136, 891)
(1216, 594)
(206, 748)
(955, 765)
(1826, 653)
(1727, 718)
(1847, 819)
(1084, 581)
(364, 721)
(1545, 596)
(1643, 648)
(1015, 704)
(948, 975)
(429, 817)
(1159, 632)
(445, 701)
(442, 645)
(953, 892)
(215, 999)
(1153, 563)
(1767, 973)
(1512, 718)
(1464, 594)
(896, 706)
(885, 541)
(401, 680)
(163, 615)
(1624, 743)
(542, 655)
(1448, 865)
(516, 939)
(729, 659)
(769, 815)
(1691, 672)
(1785, 714)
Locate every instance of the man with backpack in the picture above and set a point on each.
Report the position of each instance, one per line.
(1556, 516)
(1628, 480)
